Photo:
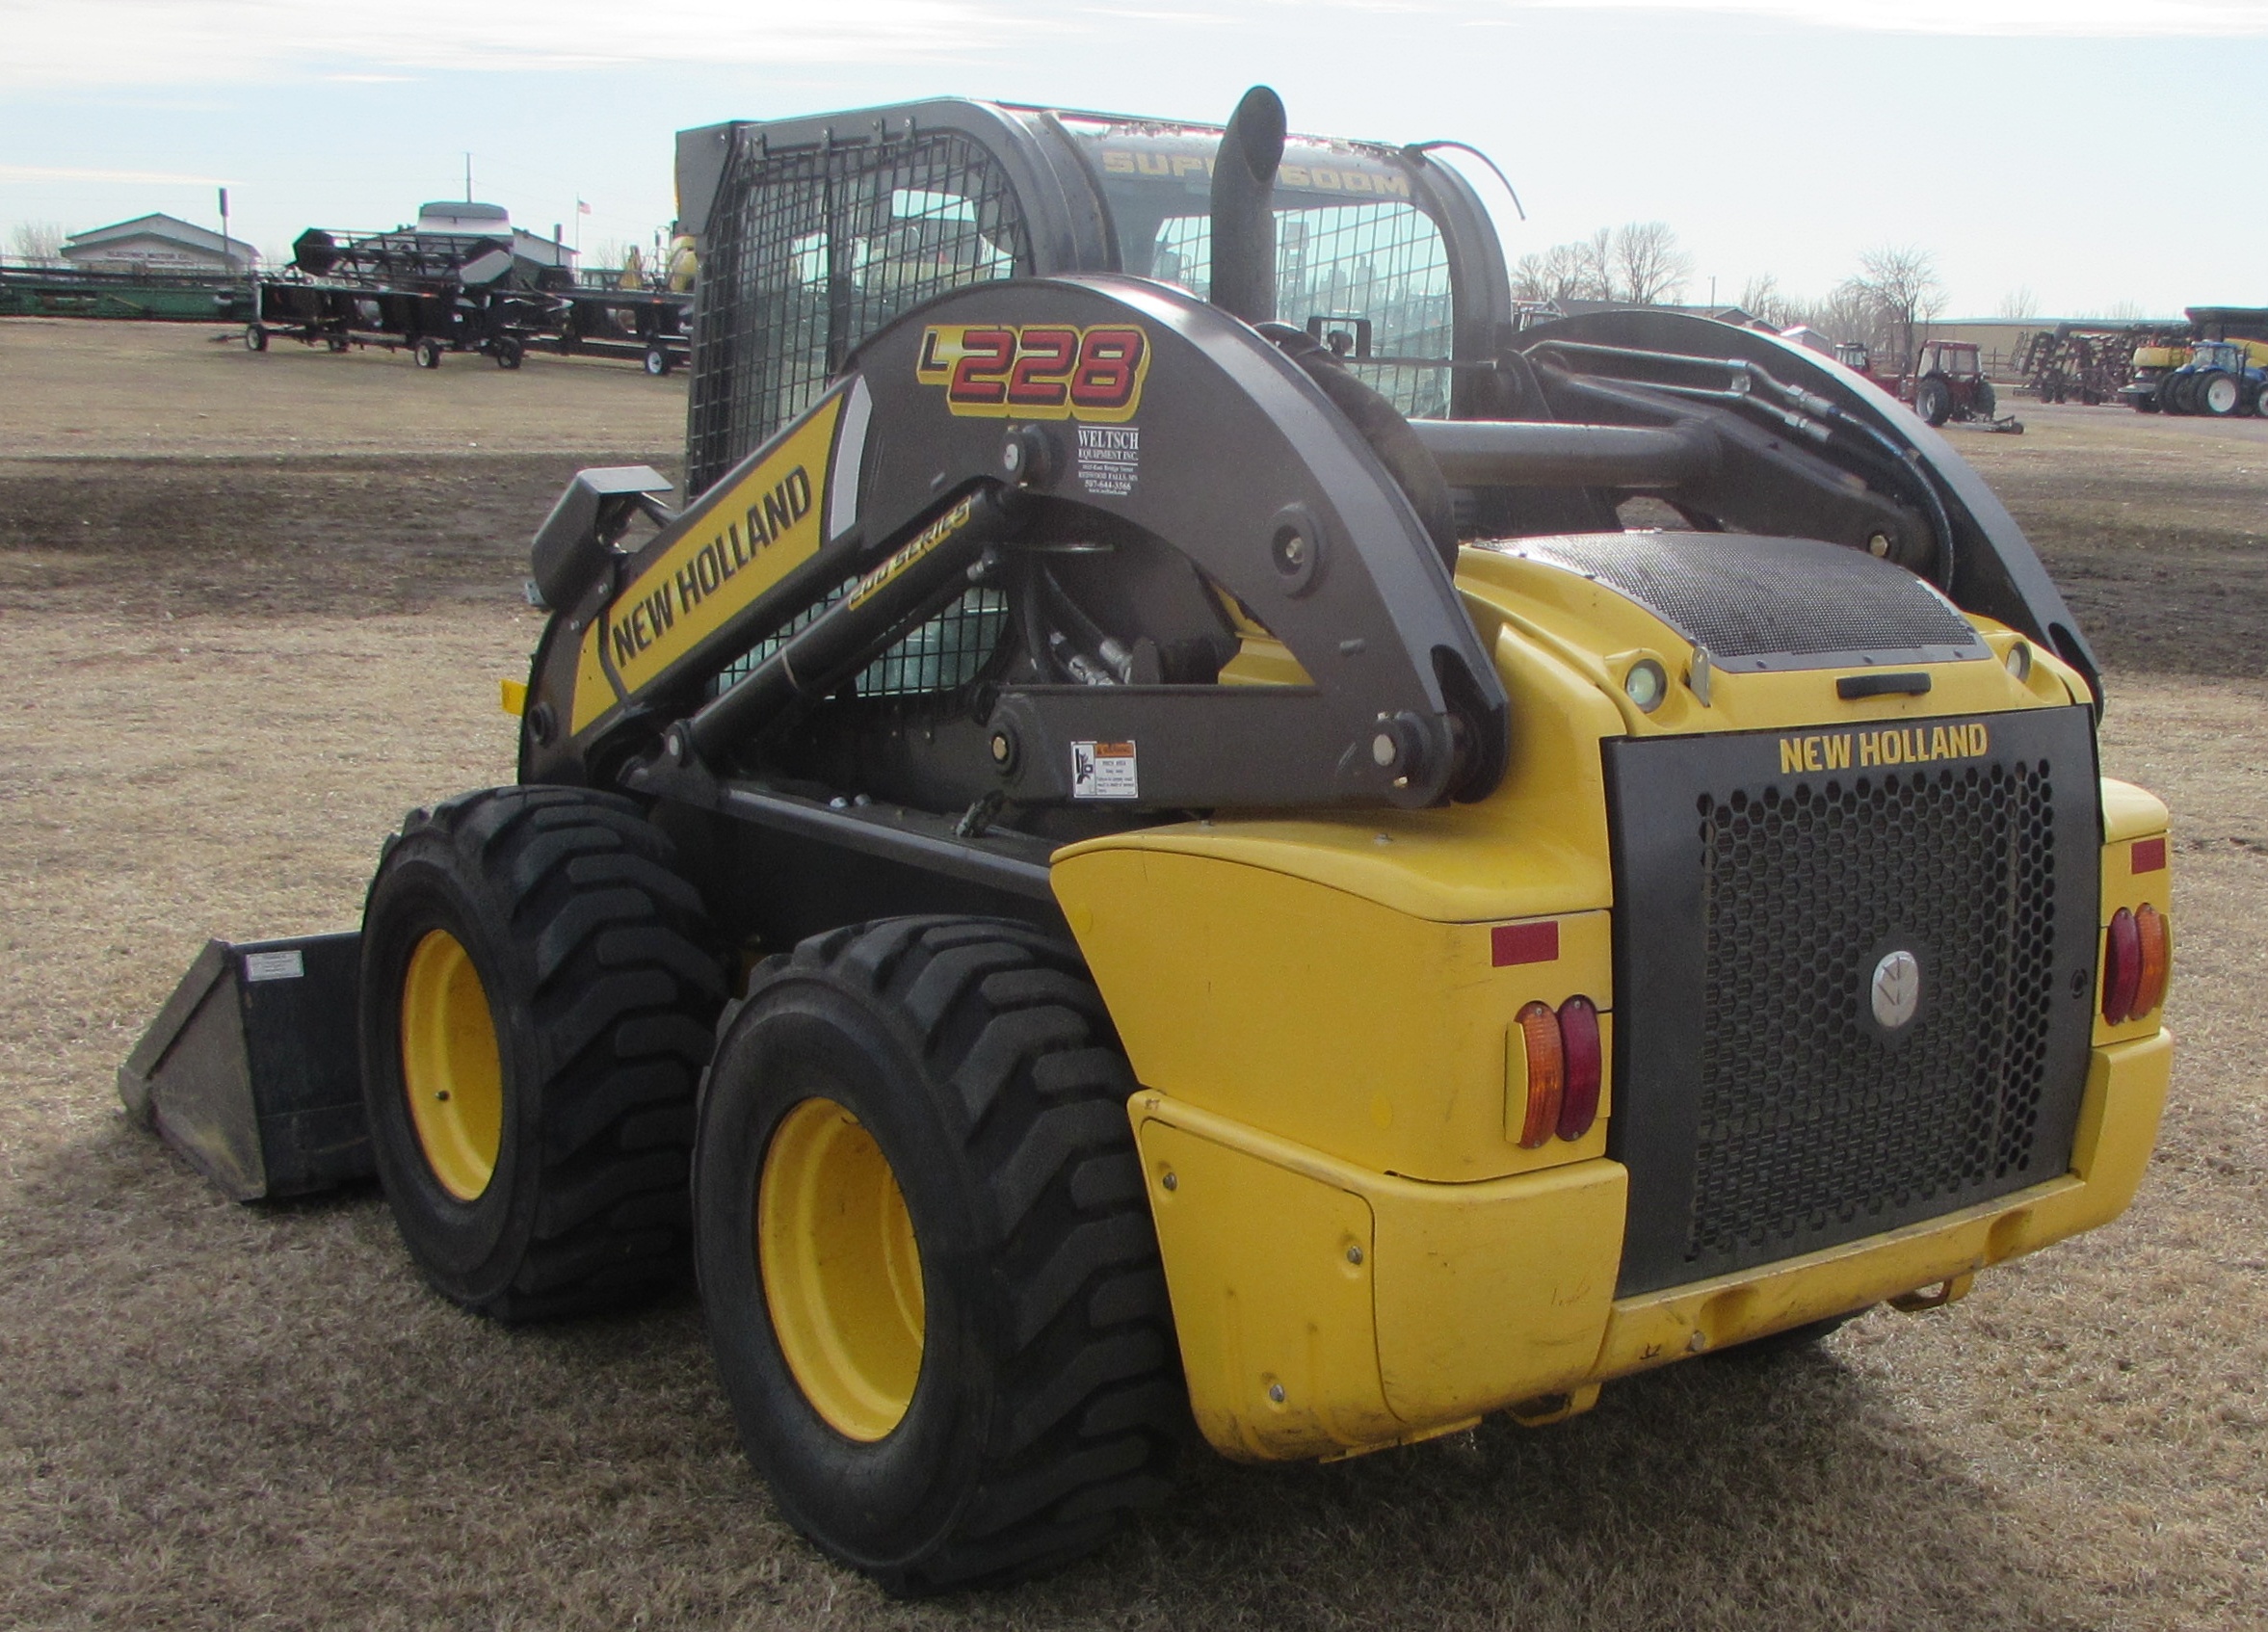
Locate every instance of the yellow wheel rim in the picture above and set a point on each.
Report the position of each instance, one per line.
(842, 1275)
(449, 1066)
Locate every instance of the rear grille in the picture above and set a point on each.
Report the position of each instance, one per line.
(1763, 1109)
(1806, 1120)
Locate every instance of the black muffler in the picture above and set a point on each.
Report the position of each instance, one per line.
(1244, 207)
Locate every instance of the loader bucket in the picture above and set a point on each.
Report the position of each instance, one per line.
(251, 1070)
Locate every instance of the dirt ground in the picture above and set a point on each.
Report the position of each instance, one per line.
(235, 657)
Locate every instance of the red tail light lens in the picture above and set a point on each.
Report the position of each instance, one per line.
(1578, 1035)
(2155, 937)
(2122, 968)
(1546, 1073)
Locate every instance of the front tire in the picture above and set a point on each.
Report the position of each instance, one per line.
(926, 1255)
(536, 1002)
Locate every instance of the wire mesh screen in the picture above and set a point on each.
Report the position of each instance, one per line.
(942, 655)
(809, 253)
(1384, 264)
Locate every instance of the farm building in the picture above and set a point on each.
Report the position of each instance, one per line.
(158, 243)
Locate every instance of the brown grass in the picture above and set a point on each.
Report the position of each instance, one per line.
(227, 685)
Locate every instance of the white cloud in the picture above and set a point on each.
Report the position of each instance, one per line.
(82, 42)
(63, 43)
(2083, 19)
(138, 177)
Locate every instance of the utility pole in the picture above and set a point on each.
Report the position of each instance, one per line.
(468, 178)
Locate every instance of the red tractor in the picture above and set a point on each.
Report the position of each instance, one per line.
(1948, 384)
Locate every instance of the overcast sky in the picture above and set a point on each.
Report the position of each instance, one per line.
(2094, 153)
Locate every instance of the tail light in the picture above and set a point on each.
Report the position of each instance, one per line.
(2157, 937)
(2122, 968)
(1546, 1073)
(1578, 1035)
(1564, 1060)
(2137, 958)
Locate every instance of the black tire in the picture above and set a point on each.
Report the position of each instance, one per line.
(335, 342)
(255, 338)
(2217, 393)
(508, 353)
(1046, 1404)
(1933, 400)
(657, 360)
(2174, 393)
(2260, 401)
(602, 992)
(1986, 402)
(426, 354)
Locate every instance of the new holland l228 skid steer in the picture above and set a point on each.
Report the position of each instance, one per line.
(1146, 842)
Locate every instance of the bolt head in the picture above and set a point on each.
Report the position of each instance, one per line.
(999, 748)
(1354, 1255)
(1382, 750)
(1171, 1181)
(1012, 456)
(1879, 544)
(1276, 1392)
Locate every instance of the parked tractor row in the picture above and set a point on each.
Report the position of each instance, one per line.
(2217, 378)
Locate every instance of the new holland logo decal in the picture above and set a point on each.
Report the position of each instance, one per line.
(1038, 371)
(1893, 745)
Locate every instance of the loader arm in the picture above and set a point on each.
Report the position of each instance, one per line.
(1012, 424)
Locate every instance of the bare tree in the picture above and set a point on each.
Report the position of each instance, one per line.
(1649, 267)
(1762, 297)
(1561, 273)
(1903, 284)
(1639, 264)
(2019, 302)
(37, 243)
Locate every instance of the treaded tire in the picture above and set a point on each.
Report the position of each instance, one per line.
(1048, 1404)
(1933, 400)
(596, 960)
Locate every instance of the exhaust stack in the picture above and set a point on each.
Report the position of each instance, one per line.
(1244, 215)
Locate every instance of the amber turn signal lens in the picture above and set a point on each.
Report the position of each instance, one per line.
(1546, 1073)
(2122, 968)
(1578, 1038)
(2155, 937)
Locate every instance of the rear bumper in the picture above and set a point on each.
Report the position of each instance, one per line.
(1322, 1309)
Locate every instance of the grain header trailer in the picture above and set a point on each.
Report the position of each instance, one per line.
(1141, 850)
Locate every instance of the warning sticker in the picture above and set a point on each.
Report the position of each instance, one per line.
(273, 965)
(1103, 771)
(1110, 460)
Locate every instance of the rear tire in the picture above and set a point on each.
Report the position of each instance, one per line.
(255, 338)
(1987, 403)
(657, 360)
(538, 997)
(426, 354)
(1933, 401)
(1041, 1401)
(2218, 394)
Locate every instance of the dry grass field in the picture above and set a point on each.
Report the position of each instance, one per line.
(252, 608)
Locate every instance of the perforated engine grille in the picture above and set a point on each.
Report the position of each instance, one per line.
(1806, 1120)
(1763, 1106)
(1762, 603)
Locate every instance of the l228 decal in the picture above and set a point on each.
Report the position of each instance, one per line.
(1038, 371)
